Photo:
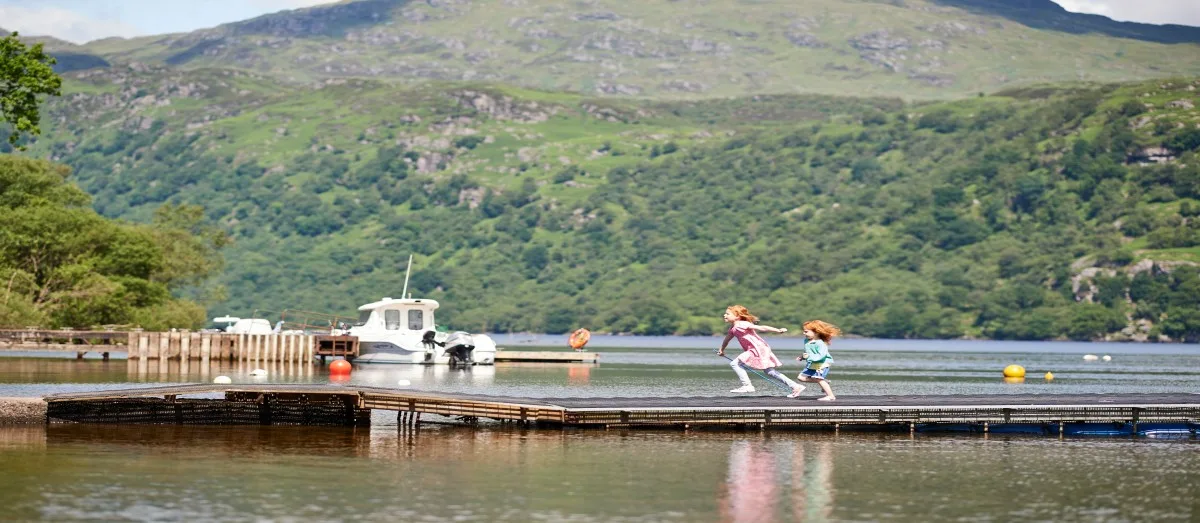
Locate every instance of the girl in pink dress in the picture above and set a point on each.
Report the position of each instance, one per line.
(756, 353)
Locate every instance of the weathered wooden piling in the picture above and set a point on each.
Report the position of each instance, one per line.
(184, 346)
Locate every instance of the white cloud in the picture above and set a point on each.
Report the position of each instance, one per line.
(61, 23)
(1182, 12)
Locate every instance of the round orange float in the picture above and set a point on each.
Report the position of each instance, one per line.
(339, 367)
(579, 338)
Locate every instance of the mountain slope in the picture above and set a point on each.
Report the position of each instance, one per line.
(70, 57)
(1024, 215)
(909, 48)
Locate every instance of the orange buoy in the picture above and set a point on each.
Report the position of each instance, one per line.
(339, 367)
(579, 338)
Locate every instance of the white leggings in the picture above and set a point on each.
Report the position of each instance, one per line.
(739, 368)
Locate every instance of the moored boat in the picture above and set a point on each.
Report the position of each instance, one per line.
(404, 331)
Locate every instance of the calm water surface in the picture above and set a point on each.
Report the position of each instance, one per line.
(495, 473)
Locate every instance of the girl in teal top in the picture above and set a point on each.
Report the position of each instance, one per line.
(816, 354)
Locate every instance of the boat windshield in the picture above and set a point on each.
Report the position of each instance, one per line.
(363, 316)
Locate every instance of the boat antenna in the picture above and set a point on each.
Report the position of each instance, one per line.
(404, 293)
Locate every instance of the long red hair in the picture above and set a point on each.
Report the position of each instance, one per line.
(742, 313)
(825, 331)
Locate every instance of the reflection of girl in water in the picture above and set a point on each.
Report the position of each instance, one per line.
(753, 484)
(812, 482)
(754, 488)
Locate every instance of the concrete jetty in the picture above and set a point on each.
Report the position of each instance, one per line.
(22, 411)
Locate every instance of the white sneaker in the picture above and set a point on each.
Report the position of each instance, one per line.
(743, 388)
(796, 392)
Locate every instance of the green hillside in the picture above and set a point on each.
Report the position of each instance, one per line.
(1024, 215)
(914, 49)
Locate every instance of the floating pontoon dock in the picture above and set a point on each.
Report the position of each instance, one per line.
(1099, 414)
(513, 356)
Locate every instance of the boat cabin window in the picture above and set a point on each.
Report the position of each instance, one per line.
(391, 319)
(416, 319)
(363, 316)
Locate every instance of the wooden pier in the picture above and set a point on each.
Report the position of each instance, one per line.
(184, 345)
(546, 356)
(335, 405)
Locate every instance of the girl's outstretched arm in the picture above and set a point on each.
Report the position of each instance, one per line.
(767, 328)
(721, 351)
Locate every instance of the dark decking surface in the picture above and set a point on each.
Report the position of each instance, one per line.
(729, 402)
(967, 401)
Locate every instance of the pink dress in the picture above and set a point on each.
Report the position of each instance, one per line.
(758, 354)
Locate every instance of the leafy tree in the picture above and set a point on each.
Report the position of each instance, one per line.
(25, 74)
(191, 246)
(1186, 140)
(1092, 321)
(66, 266)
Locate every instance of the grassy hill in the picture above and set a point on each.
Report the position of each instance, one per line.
(637, 166)
(913, 49)
(1035, 213)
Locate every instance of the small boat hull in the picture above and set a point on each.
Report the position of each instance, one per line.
(387, 352)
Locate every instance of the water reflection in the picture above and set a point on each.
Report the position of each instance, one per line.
(156, 473)
(24, 437)
(216, 442)
(579, 374)
(765, 479)
(142, 370)
(812, 482)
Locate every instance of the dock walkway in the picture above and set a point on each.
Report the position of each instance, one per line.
(351, 405)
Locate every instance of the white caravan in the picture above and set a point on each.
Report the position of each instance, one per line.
(403, 331)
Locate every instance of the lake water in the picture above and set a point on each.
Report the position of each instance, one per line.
(499, 473)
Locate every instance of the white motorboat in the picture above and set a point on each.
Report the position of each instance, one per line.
(403, 331)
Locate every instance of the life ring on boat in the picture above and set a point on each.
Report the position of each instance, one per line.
(579, 338)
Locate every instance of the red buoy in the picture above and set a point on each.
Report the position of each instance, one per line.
(339, 367)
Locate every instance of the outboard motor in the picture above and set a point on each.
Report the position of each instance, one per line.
(428, 340)
(458, 347)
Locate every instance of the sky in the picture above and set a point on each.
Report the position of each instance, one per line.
(81, 21)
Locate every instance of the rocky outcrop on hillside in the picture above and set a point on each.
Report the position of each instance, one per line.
(882, 49)
(1083, 285)
(504, 107)
(922, 59)
(799, 33)
(1083, 281)
(1151, 155)
(145, 89)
